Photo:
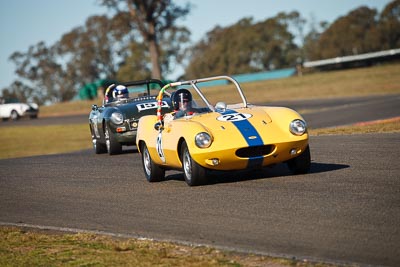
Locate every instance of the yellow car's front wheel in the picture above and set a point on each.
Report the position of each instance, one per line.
(194, 173)
(152, 171)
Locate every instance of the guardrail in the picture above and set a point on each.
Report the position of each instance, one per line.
(346, 59)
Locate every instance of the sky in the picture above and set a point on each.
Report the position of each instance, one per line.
(24, 23)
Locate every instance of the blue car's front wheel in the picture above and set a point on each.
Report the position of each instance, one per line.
(113, 147)
(99, 148)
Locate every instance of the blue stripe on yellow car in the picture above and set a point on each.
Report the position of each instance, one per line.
(251, 136)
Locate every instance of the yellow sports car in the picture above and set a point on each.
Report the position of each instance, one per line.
(204, 134)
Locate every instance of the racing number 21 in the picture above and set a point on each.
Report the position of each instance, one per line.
(234, 117)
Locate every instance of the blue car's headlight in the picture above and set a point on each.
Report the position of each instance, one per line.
(203, 140)
(117, 118)
(298, 127)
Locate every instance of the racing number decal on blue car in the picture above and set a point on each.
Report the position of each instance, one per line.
(247, 130)
(151, 105)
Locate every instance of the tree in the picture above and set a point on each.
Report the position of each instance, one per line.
(94, 51)
(21, 92)
(152, 19)
(294, 23)
(311, 38)
(389, 25)
(354, 33)
(135, 66)
(83, 55)
(244, 47)
(38, 69)
(278, 45)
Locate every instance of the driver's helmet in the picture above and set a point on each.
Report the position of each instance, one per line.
(120, 92)
(181, 99)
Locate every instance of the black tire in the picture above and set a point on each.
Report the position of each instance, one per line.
(14, 115)
(194, 173)
(302, 163)
(112, 145)
(151, 170)
(98, 148)
(33, 116)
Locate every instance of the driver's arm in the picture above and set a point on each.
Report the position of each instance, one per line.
(168, 117)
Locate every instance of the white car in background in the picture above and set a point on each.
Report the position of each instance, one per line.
(13, 109)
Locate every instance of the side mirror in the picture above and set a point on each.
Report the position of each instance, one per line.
(220, 106)
(94, 107)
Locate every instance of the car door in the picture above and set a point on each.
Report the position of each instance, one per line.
(168, 141)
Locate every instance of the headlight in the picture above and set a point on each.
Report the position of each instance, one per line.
(298, 127)
(117, 118)
(203, 140)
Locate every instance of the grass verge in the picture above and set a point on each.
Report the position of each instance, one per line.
(381, 126)
(378, 80)
(26, 141)
(23, 141)
(68, 108)
(24, 247)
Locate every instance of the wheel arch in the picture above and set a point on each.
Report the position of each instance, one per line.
(92, 131)
(103, 125)
(140, 145)
(13, 110)
(179, 148)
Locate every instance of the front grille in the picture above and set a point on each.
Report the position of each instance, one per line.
(254, 151)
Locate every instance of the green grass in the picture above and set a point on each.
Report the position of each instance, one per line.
(384, 126)
(22, 141)
(22, 247)
(68, 108)
(26, 141)
(377, 80)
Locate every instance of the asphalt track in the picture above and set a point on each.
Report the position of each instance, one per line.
(347, 210)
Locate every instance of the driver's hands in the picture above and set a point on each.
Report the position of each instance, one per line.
(168, 117)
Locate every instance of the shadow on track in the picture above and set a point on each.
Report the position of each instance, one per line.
(326, 167)
(130, 150)
(275, 171)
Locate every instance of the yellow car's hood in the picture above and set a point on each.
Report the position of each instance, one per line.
(231, 115)
(245, 123)
(252, 126)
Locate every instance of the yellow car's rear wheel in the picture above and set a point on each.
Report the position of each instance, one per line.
(152, 171)
(194, 173)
